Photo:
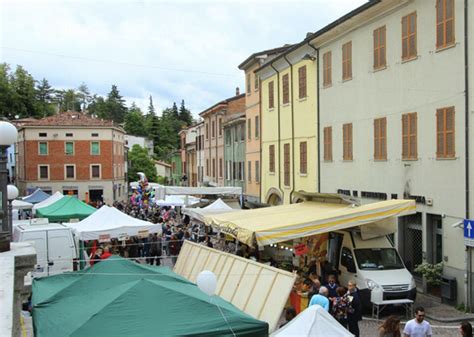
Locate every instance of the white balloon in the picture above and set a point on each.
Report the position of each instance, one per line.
(207, 282)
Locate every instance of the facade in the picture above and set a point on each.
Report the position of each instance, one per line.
(289, 130)
(144, 142)
(163, 170)
(74, 154)
(200, 161)
(234, 150)
(11, 164)
(213, 119)
(191, 155)
(176, 168)
(392, 107)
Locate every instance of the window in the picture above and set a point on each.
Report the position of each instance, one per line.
(43, 148)
(207, 167)
(207, 131)
(227, 137)
(409, 136)
(214, 167)
(248, 83)
(220, 168)
(271, 154)
(220, 127)
(444, 23)
(445, 133)
(69, 148)
(95, 171)
(249, 171)
(242, 170)
(328, 143)
(95, 148)
(69, 135)
(380, 60)
(94, 135)
(380, 139)
(43, 134)
(257, 127)
(257, 171)
(237, 133)
(271, 103)
(347, 61)
(70, 171)
(327, 76)
(302, 82)
(286, 164)
(249, 129)
(303, 158)
(256, 82)
(213, 129)
(286, 89)
(347, 141)
(409, 36)
(242, 132)
(43, 172)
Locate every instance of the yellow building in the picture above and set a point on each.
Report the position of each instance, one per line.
(289, 137)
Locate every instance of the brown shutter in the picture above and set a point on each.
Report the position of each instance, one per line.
(413, 136)
(270, 95)
(439, 133)
(286, 164)
(302, 81)
(405, 137)
(449, 131)
(271, 152)
(303, 157)
(286, 89)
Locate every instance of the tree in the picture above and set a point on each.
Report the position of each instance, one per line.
(98, 107)
(116, 105)
(44, 97)
(70, 101)
(141, 162)
(135, 122)
(6, 92)
(24, 94)
(84, 96)
(185, 115)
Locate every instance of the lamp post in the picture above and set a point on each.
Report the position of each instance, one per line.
(12, 194)
(8, 136)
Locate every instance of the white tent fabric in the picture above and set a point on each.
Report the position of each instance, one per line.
(177, 200)
(215, 208)
(315, 322)
(161, 191)
(110, 221)
(20, 204)
(51, 200)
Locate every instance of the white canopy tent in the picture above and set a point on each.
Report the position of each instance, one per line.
(162, 191)
(20, 204)
(215, 208)
(315, 322)
(109, 221)
(51, 200)
(177, 200)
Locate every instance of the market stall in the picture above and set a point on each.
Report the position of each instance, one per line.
(128, 299)
(21, 204)
(37, 196)
(65, 209)
(217, 207)
(49, 201)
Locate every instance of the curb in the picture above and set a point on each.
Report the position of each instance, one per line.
(450, 319)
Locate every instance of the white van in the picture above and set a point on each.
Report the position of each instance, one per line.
(370, 263)
(55, 248)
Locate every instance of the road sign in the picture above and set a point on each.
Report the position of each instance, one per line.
(469, 232)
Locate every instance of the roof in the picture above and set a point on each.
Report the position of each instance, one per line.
(37, 196)
(224, 102)
(272, 51)
(325, 29)
(157, 162)
(287, 222)
(71, 118)
(65, 209)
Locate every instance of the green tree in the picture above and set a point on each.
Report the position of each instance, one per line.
(44, 98)
(6, 92)
(98, 107)
(84, 96)
(141, 162)
(116, 105)
(148, 119)
(24, 94)
(185, 115)
(70, 101)
(135, 122)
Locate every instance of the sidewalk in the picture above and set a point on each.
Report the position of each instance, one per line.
(437, 311)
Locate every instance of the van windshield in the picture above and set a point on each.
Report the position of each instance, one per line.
(378, 259)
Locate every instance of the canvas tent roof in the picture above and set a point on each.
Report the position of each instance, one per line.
(21, 204)
(51, 200)
(111, 221)
(313, 322)
(37, 196)
(217, 207)
(288, 222)
(177, 200)
(65, 209)
(129, 299)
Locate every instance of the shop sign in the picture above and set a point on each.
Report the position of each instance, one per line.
(104, 238)
(301, 249)
(143, 234)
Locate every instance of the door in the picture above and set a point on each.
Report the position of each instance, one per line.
(348, 268)
(61, 251)
(39, 241)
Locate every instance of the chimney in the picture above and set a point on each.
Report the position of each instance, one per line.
(237, 91)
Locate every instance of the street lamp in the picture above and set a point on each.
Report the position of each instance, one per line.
(12, 194)
(8, 136)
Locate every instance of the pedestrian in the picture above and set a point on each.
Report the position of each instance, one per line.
(321, 299)
(332, 286)
(418, 327)
(391, 327)
(466, 329)
(155, 250)
(106, 254)
(354, 310)
(339, 306)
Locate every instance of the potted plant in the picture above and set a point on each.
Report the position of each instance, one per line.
(432, 274)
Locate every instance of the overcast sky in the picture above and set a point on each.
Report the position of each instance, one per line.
(171, 50)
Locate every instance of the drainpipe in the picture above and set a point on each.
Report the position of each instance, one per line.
(468, 282)
(317, 116)
(279, 129)
(260, 138)
(292, 129)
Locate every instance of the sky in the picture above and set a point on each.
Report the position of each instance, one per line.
(171, 50)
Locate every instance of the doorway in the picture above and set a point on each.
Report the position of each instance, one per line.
(96, 195)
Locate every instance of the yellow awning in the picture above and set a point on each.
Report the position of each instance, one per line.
(288, 222)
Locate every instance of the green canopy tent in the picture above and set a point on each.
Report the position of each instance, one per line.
(65, 209)
(117, 297)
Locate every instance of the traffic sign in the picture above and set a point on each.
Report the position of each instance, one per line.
(469, 232)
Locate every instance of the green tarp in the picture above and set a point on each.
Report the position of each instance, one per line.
(118, 297)
(65, 209)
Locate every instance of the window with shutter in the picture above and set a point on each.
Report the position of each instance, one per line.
(286, 89)
(328, 143)
(409, 49)
(409, 136)
(220, 168)
(445, 133)
(249, 129)
(347, 141)
(380, 139)
(347, 61)
(302, 82)
(303, 158)
(257, 171)
(380, 60)
(444, 23)
(271, 153)
(327, 76)
(257, 127)
(248, 84)
(271, 103)
(286, 164)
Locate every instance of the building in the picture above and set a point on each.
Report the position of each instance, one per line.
(11, 164)
(163, 170)
(252, 116)
(213, 119)
(234, 149)
(200, 153)
(191, 155)
(289, 130)
(74, 154)
(176, 168)
(144, 142)
(394, 108)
